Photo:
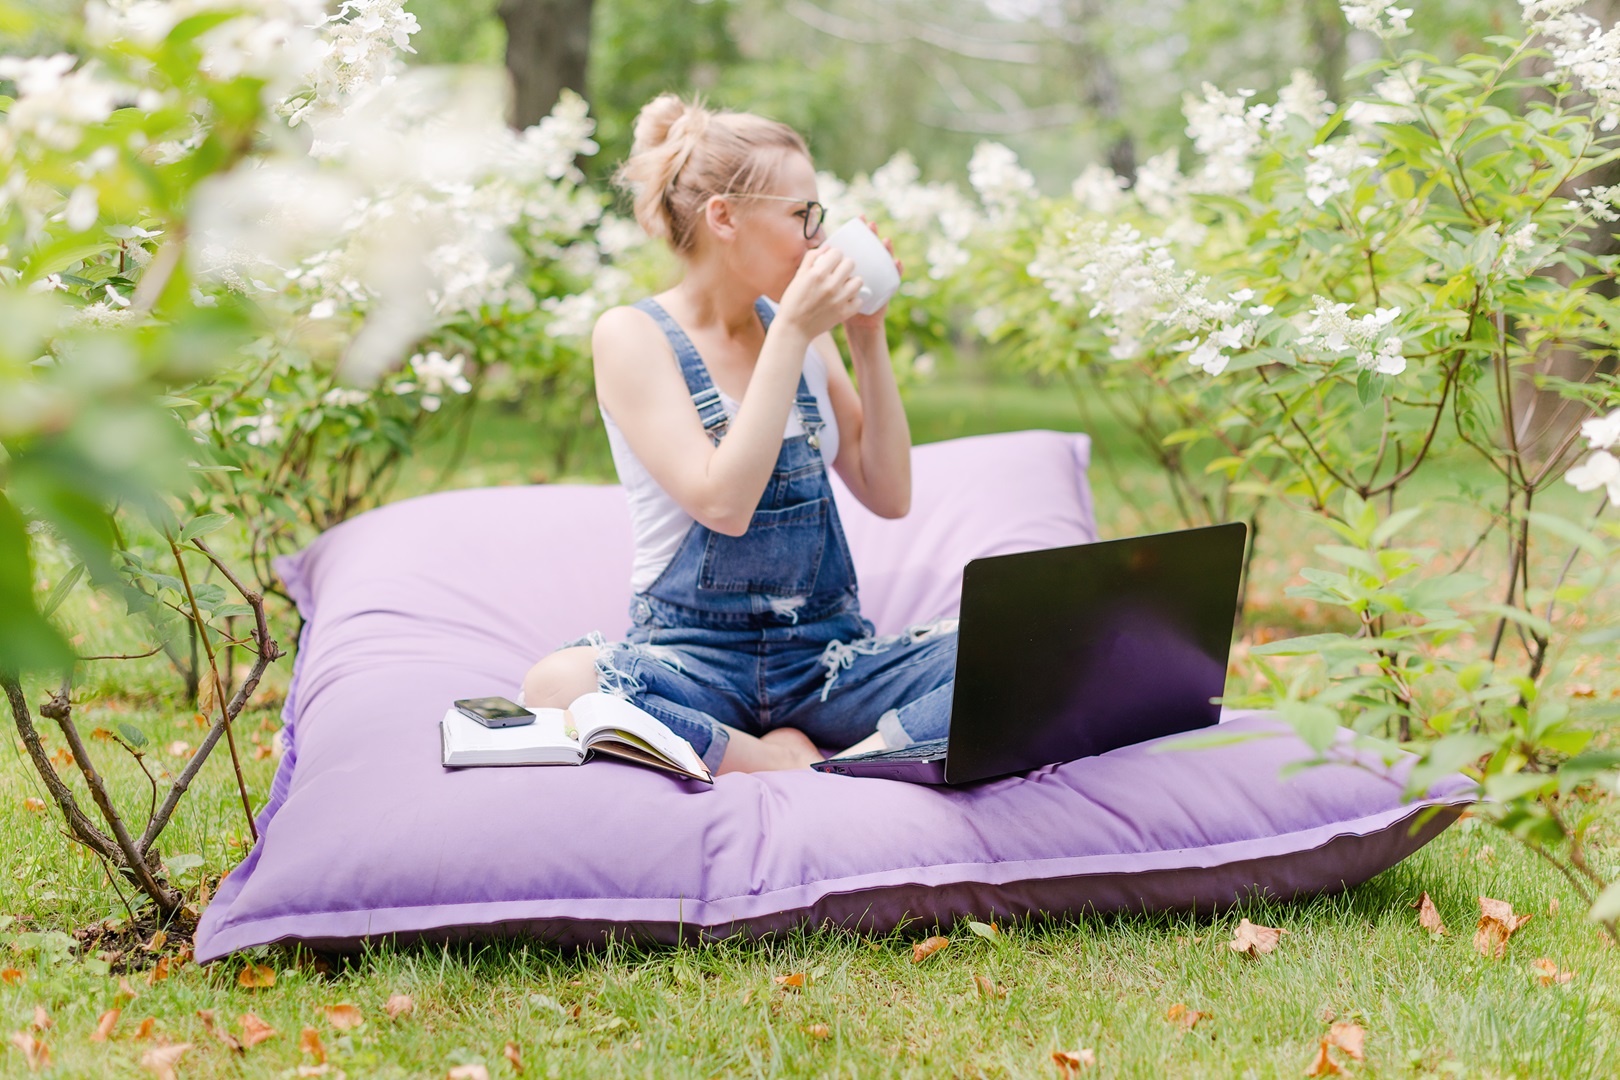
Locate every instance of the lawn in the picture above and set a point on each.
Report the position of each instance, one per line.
(1430, 1004)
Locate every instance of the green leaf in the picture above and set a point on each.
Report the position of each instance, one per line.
(27, 640)
(1397, 521)
(1587, 541)
(176, 865)
(1606, 907)
(132, 734)
(202, 526)
(1301, 646)
(63, 587)
(1534, 623)
(1353, 557)
(985, 930)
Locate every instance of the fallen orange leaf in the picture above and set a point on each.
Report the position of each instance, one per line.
(309, 1041)
(1351, 1038)
(1547, 973)
(795, 981)
(399, 1005)
(180, 748)
(1429, 916)
(159, 971)
(63, 758)
(1497, 923)
(1185, 1017)
(104, 1026)
(36, 805)
(254, 1030)
(158, 938)
(1322, 1064)
(343, 1017)
(207, 1017)
(42, 1019)
(1074, 1061)
(101, 733)
(145, 1030)
(510, 1053)
(35, 1052)
(161, 1059)
(988, 988)
(10, 976)
(928, 947)
(261, 752)
(1253, 940)
(469, 1072)
(818, 1031)
(125, 990)
(256, 976)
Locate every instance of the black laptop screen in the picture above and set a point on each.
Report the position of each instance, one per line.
(1074, 651)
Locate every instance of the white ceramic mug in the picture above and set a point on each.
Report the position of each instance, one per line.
(873, 263)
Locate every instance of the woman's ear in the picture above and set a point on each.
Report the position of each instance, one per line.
(720, 216)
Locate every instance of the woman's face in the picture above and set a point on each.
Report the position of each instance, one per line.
(770, 236)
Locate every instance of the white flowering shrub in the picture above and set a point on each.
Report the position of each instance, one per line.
(1331, 301)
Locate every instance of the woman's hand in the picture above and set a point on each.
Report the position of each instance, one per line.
(823, 293)
(874, 321)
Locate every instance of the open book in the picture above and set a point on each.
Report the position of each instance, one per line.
(593, 722)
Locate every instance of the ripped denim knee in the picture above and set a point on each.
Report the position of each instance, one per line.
(615, 673)
(839, 656)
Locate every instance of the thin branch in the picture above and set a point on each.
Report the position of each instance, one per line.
(82, 828)
(123, 656)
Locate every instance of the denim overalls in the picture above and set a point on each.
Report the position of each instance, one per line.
(763, 630)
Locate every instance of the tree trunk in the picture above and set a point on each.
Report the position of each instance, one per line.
(548, 44)
(1544, 421)
(1324, 20)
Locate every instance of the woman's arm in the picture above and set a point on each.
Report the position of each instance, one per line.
(874, 438)
(636, 382)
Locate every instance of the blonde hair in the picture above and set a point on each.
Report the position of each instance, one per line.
(685, 152)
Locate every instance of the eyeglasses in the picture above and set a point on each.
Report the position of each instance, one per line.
(813, 213)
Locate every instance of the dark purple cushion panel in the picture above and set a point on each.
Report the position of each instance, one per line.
(456, 594)
(1343, 862)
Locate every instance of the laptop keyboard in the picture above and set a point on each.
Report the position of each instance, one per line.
(922, 751)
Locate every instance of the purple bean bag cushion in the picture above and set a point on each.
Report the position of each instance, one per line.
(452, 595)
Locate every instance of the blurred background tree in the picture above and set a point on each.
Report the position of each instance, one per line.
(1064, 83)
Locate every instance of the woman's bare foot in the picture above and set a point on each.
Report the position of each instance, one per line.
(794, 746)
(784, 748)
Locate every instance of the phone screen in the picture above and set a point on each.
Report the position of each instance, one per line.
(493, 709)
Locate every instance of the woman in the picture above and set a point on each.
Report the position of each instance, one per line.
(747, 637)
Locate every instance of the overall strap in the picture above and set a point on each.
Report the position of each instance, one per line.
(705, 395)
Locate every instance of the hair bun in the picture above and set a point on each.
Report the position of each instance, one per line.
(665, 119)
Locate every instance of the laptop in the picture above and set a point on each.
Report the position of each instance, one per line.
(1068, 652)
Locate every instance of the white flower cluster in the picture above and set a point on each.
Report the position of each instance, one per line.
(1602, 468)
(1370, 339)
(574, 316)
(1003, 184)
(1302, 97)
(1599, 202)
(262, 430)
(1226, 131)
(357, 51)
(1100, 190)
(1331, 167)
(57, 99)
(939, 212)
(1379, 17)
(1583, 50)
(1393, 100)
(435, 375)
(548, 149)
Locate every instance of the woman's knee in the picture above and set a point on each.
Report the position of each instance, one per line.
(560, 678)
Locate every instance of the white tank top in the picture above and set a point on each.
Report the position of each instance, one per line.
(657, 521)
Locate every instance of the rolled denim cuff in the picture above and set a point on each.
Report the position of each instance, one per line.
(719, 738)
(895, 737)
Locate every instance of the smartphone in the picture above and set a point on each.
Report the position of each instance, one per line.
(494, 712)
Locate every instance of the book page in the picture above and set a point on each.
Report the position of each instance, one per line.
(599, 713)
(545, 741)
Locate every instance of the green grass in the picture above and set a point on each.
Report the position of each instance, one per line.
(1430, 1007)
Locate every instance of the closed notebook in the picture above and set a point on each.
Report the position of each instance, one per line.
(592, 723)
